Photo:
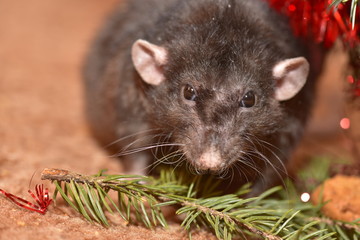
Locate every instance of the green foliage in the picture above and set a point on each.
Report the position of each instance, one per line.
(316, 172)
(276, 214)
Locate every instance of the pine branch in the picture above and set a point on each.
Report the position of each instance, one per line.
(226, 215)
(213, 216)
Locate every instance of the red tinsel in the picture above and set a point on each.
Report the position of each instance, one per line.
(41, 197)
(318, 21)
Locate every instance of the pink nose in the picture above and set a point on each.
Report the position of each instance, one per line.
(210, 160)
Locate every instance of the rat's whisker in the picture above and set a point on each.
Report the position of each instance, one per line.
(141, 149)
(134, 135)
(140, 141)
(278, 171)
(268, 147)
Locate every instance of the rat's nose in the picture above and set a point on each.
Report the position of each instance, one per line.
(210, 159)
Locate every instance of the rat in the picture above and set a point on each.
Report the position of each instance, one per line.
(221, 85)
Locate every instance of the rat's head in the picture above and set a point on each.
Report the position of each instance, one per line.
(216, 103)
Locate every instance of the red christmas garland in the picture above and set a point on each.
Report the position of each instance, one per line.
(322, 22)
(41, 197)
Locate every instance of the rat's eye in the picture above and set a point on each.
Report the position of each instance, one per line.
(248, 100)
(189, 92)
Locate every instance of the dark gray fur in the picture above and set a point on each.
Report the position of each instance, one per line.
(227, 46)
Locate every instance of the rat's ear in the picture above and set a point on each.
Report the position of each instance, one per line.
(149, 60)
(290, 76)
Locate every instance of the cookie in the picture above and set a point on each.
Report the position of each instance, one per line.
(343, 196)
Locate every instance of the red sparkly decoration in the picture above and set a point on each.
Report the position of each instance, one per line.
(42, 199)
(319, 21)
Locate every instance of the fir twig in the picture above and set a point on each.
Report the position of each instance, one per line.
(227, 215)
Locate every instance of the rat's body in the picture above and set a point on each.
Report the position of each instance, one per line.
(219, 82)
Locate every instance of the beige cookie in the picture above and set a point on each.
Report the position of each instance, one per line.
(343, 194)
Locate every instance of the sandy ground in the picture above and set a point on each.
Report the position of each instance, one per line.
(42, 46)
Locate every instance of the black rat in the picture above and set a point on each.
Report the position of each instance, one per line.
(222, 85)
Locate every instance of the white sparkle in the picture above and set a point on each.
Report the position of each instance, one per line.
(305, 197)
